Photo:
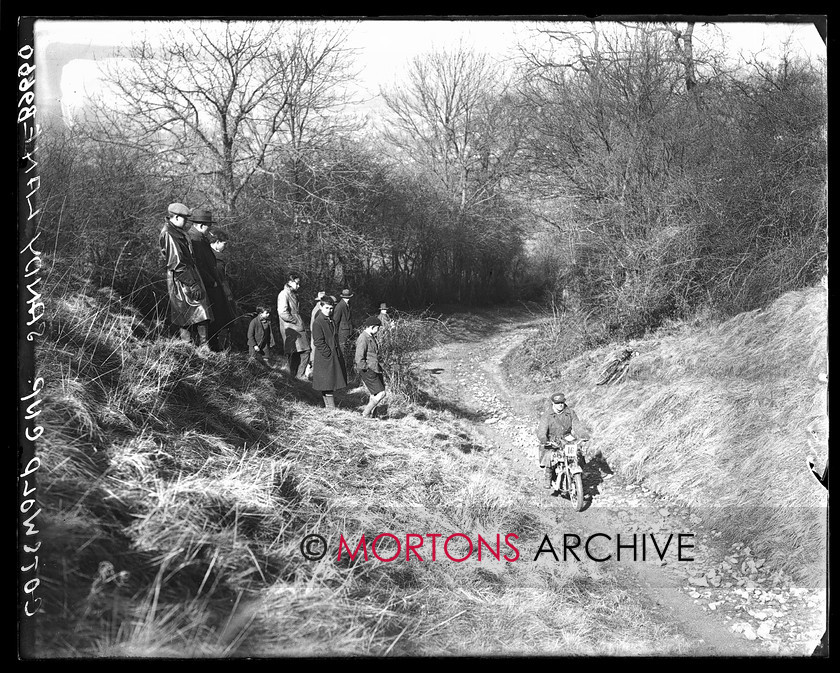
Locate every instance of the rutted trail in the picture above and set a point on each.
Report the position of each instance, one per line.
(724, 601)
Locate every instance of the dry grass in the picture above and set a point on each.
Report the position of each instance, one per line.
(716, 417)
(177, 485)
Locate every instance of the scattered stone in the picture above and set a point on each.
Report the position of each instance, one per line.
(699, 581)
(765, 628)
(490, 421)
(749, 632)
(694, 594)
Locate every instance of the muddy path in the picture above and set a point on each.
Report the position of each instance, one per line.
(724, 600)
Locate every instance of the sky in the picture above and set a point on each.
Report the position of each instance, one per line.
(384, 47)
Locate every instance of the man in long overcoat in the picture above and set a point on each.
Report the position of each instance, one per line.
(234, 335)
(343, 318)
(329, 372)
(205, 262)
(188, 302)
(292, 328)
(315, 311)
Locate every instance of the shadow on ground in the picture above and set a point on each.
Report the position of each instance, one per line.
(432, 402)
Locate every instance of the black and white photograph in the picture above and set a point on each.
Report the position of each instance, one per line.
(424, 337)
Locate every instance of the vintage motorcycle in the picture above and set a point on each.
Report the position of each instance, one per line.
(566, 472)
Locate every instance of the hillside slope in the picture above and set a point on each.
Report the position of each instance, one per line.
(717, 417)
(177, 487)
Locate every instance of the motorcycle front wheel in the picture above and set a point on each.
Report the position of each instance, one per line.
(576, 491)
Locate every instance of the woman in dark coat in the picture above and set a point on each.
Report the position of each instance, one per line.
(329, 372)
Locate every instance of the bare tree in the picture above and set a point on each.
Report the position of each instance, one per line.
(454, 117)
(217, 106)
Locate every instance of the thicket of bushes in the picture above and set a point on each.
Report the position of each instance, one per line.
(606, 184)
(668, 200)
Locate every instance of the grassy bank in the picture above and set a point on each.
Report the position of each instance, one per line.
(715, 416)
(177, 485)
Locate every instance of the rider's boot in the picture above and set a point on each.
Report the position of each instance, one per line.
(547, 477)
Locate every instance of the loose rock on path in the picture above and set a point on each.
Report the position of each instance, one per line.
(726, 597)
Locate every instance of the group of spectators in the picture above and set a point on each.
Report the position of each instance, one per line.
(203, 309)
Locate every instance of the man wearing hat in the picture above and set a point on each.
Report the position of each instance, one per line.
(329, 372)
(189, 306)
(205, 262)
(315, 311)
(556, 423)
(369, 366)
(292, 328)
(225, 270)
(343, 318)
(384, 318)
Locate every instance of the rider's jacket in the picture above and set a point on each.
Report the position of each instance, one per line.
(554, 426)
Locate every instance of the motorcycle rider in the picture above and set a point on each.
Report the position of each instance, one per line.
(559, 421)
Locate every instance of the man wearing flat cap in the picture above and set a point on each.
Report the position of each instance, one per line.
(205, 262)
(559, 421)
(189, 306)
(369, 366)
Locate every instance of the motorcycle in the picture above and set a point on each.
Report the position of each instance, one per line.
(566, 472)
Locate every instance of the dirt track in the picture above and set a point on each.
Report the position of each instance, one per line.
(724, 601)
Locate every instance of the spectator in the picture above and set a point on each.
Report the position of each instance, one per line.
(369, 366)
(315, 311)
(343, 319)
(189, 306)
(260, 336)
(384, 318)
(219, 242)
(329, 372)
(205, 262)
(292, 328)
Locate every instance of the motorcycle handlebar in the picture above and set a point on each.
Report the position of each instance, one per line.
(554, 445)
